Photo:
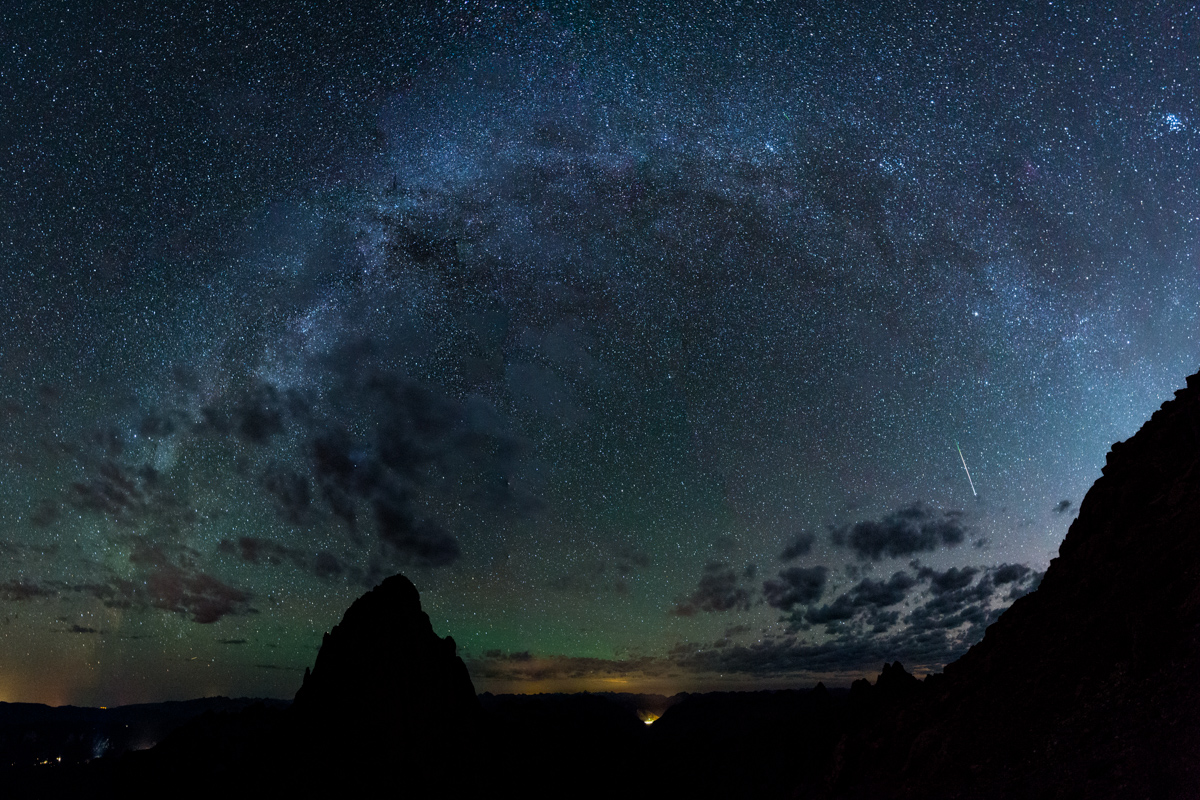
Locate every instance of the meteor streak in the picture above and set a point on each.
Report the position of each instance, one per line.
(960, 455)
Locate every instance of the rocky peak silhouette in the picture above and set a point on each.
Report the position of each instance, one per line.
(387, 703)
(894, 680)
(383, 666)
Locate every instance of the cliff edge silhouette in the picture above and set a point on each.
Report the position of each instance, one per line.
(1087, 687)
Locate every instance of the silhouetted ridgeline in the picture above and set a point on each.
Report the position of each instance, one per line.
(1086, 687)
(1083, 689)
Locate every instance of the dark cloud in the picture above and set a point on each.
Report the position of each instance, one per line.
(1021, 579)
(956, 599)
(169, 582)
(196, 594)
(24, 589)
(417, 541)
(842, 609)
(373, 445)
(1008, 573)
(718, 590)
(865, 598)
(801, 545)
(951, 580)
(849, 652)
(909, 530)
(795, 586)
(116, 490)
(256, 550)
(255, 415)
(260, 415)
(232, 641)
(160, 424)
(948, 613)
(82, 629)
(113, 593)
(868, 629)
(883, 593)
(45, 515)
(386, 472)
(1063, 506)
(882, 621)
(106, 441)
(342, 472)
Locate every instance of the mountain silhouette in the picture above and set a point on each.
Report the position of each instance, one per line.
(1087, 686)
(382, 672)
(387, 703)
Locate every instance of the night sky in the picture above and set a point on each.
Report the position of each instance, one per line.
(644, 342)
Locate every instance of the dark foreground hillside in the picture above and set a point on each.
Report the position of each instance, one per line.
(1086, 687)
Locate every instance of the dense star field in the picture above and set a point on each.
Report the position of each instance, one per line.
(653, 345)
